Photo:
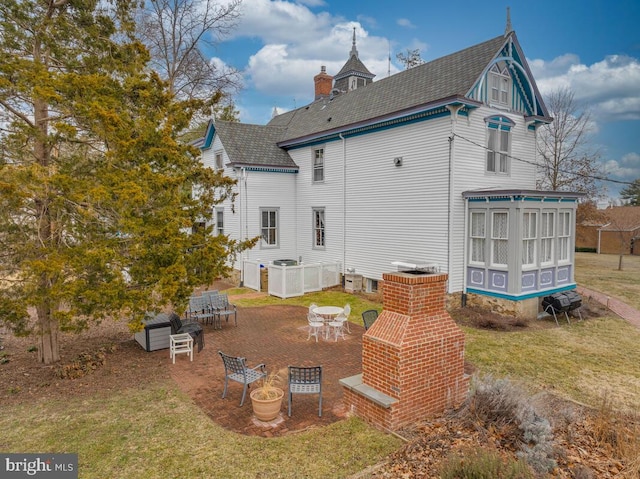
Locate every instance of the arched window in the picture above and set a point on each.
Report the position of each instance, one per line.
(498, 144)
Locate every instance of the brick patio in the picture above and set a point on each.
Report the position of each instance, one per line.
(276, 336)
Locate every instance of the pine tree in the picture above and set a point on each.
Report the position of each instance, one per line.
(632, 193)
(95, 189)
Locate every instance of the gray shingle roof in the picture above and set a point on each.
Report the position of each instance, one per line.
(256, 145)
(354, 65)
(450, 76)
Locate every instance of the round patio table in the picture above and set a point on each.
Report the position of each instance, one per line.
(328, 313)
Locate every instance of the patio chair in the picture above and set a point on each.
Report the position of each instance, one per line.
(368, 317)
(222, 308)
(200, 310)
(316, 324)
(235, 368)
(305, 380)
(344, 316)
(190, 327)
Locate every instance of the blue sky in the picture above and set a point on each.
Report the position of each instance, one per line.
(593, 47)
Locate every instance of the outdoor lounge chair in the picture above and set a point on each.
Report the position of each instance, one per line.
(199, 309)
(192, 328)
(222, 308)
(235, 368)
(305, 380)
(368, 317)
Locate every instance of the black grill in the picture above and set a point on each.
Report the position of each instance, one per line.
(562, 302)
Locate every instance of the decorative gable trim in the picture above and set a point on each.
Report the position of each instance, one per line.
(524, 94)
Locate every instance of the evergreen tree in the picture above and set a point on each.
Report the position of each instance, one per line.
(97, 209)
(632, 193)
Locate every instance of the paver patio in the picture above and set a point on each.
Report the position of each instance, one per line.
(276, 336)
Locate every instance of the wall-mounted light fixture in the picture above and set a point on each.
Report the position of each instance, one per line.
(397, 161)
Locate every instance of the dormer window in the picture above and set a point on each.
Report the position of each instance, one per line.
(499, 85)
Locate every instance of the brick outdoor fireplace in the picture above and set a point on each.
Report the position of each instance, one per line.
(412, 355)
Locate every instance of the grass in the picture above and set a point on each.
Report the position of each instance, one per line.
(600, 272)
(157, 432)
(584, 361)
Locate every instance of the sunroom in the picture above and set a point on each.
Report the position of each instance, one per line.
(519, 246)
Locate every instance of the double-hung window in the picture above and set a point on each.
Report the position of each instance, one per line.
(547, 229)
(499, 238)
(220, 221)
(269, 227)
(478, 236)
(564, 235)
(499, 85)
(529, 236)
(498, 144)
(318, 165)
(318, 228)
(219, 164)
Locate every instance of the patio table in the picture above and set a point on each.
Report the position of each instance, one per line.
(328, 313)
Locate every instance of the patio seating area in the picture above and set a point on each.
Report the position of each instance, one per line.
(276, 336)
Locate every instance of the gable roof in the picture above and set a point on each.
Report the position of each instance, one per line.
(442, 81)
(246, 144)
(622, 218)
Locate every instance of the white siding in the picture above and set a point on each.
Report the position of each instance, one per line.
(469, 173)
(385, 212)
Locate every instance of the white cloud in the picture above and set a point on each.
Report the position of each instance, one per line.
(297, 42)
(405, 22)
(610, 87)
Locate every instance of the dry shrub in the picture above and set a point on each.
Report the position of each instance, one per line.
(620, 434)
(500, 405)
(483, 464)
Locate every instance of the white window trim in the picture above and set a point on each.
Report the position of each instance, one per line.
(531, 238)
(503, 89)
(314, 228)
(562, 235)
(218, 154)
(504, 239)
(219, 211)
(313, 165)
(263, 243)
(547, 237)
(496, 126)
(473, 236)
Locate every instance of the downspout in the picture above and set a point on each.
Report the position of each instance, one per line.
(344, 201)
(453, 109)
(242, 204)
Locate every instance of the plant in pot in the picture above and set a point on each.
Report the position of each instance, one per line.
(267, 398)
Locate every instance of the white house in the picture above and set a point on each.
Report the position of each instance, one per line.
(433, 165)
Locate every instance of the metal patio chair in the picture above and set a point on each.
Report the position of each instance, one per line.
(305, 380)
(235, 368)
(368, 317)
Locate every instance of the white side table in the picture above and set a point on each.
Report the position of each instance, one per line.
(180, 343)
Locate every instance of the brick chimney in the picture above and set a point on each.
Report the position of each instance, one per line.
(412, 356)
(323, 83)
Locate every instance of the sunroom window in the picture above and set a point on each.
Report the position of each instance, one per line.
(478, 236)
(500, 238)
(529, 235)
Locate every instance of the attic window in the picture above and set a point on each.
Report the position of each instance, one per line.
(499, 85)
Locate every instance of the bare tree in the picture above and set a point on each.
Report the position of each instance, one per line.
(411, 59)
(567, 159)
(177, 33)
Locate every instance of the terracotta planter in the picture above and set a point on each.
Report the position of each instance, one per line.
(266, 409)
